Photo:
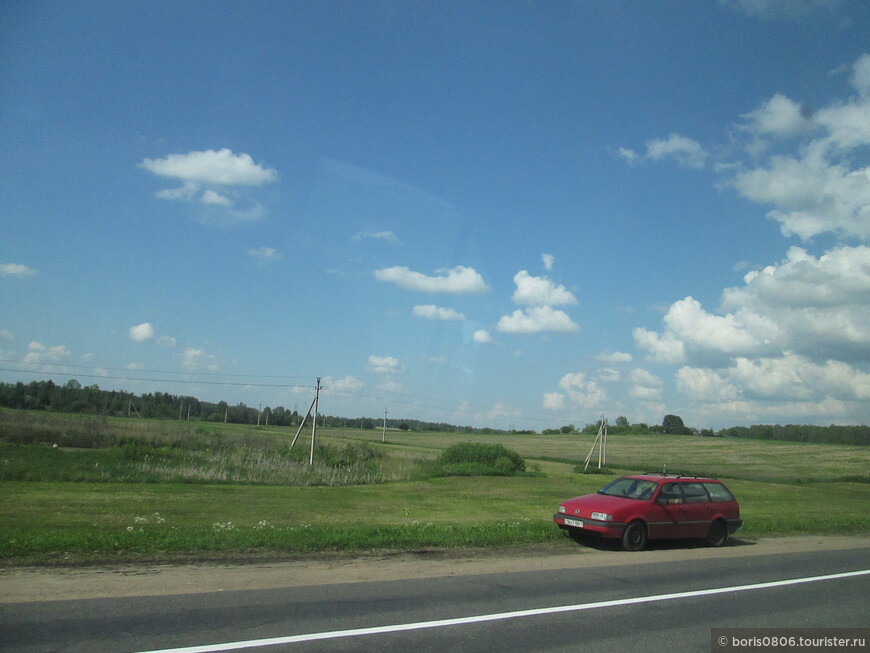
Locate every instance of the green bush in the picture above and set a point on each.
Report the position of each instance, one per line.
(477, 459)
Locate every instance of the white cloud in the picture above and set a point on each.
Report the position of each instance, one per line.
(812, 195)
(15, 270)
(705, 385)
(213, 197)
(607, 375)
(7, 335)
(482, 337)
(821, 189)
(584, 392)
(790, 384)
(684, 150)
(820, 306)
(385, 364)
(208, 176)
(645, 393)
(198, 360)
(133, 366)
(548, 261)
(553, 401)
(646, 386)
(167, 341)
(539, 291)
(779, 116)
(264, 255)
(663, 348)
(643, 377)
(218, 167)
(535, 320)
(391, 385)
(186, 192)
(345, 386)
(432, 312)
(387, 236)
(459, 279)
(613, 357)
(141, 332)
(37, 353)
(629, 155)
(690, 331)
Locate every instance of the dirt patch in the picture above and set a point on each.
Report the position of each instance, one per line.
(53, 584)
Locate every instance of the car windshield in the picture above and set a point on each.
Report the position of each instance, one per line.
(630, 488)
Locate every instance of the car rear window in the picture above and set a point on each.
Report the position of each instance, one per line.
(718, 492)
(695, 493)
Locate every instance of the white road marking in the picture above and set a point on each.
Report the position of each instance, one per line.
(499, 616)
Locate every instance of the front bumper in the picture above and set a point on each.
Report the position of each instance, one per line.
(603, 528)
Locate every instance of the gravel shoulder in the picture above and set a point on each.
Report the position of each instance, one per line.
(19, 585)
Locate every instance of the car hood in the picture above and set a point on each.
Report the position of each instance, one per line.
(589, 503)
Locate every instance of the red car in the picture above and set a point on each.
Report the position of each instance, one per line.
(654, 506)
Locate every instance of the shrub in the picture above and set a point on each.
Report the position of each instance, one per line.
(478, 459)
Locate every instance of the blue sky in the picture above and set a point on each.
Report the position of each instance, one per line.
(517, 214)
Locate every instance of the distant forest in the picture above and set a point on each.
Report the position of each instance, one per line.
(72, 397)
(802, 433)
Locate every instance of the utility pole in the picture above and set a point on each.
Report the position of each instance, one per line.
(258, 413)
(314, 422)
(601, 442)
(384, 432)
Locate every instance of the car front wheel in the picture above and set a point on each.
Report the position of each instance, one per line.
(634, 537)
(718, 534)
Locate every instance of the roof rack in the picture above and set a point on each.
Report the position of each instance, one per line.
(671, 475)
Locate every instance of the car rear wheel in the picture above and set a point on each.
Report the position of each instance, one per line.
(634, 537)
(718, 534)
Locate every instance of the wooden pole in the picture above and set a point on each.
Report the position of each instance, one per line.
(384, 432)
(314, 423)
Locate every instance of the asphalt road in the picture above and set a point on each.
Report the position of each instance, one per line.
(643, 614)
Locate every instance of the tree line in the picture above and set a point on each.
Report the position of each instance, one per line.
(832, 434)
(72, 397)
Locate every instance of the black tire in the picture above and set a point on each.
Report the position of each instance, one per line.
(634, 536)
(718, 534)
(576, 534)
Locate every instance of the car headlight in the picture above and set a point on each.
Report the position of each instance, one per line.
(561, 508)
(601, 516)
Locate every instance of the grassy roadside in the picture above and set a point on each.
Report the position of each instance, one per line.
(95, 522)
(117, 489)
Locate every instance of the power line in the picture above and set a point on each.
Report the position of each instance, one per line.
(124, 369)
(132, 378)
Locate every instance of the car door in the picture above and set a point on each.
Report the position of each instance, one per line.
(670, 517)
(696, 511)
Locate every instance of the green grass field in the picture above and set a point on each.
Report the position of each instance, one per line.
(110, 513)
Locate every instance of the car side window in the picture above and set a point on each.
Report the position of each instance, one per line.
(695, 493)
(671, 493)
(718, 492)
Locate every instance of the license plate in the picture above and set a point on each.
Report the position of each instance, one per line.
(573, 522)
